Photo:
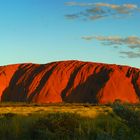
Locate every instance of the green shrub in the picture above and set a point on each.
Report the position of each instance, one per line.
(129, 116)
(107, 127)
(56, 126)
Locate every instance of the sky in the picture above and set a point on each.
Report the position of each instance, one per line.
(42, 31)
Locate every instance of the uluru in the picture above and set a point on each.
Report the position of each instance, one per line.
(69, 81)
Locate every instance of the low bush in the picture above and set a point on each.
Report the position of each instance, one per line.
(122, 123)
(56, 126)
(129, 115)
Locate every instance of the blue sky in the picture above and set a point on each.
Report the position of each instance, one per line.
(41, 31)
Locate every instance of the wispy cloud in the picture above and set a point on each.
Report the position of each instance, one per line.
(72, 16)
(132, 42)
(94, 11)
(72, 3)
(131, 54)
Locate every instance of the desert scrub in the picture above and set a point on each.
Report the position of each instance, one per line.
(57, 126)
(65, 126)
(130, 116)
(15, 126)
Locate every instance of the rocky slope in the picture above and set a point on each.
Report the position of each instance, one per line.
(69, 81)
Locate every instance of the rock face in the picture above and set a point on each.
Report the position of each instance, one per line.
(69, 81)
